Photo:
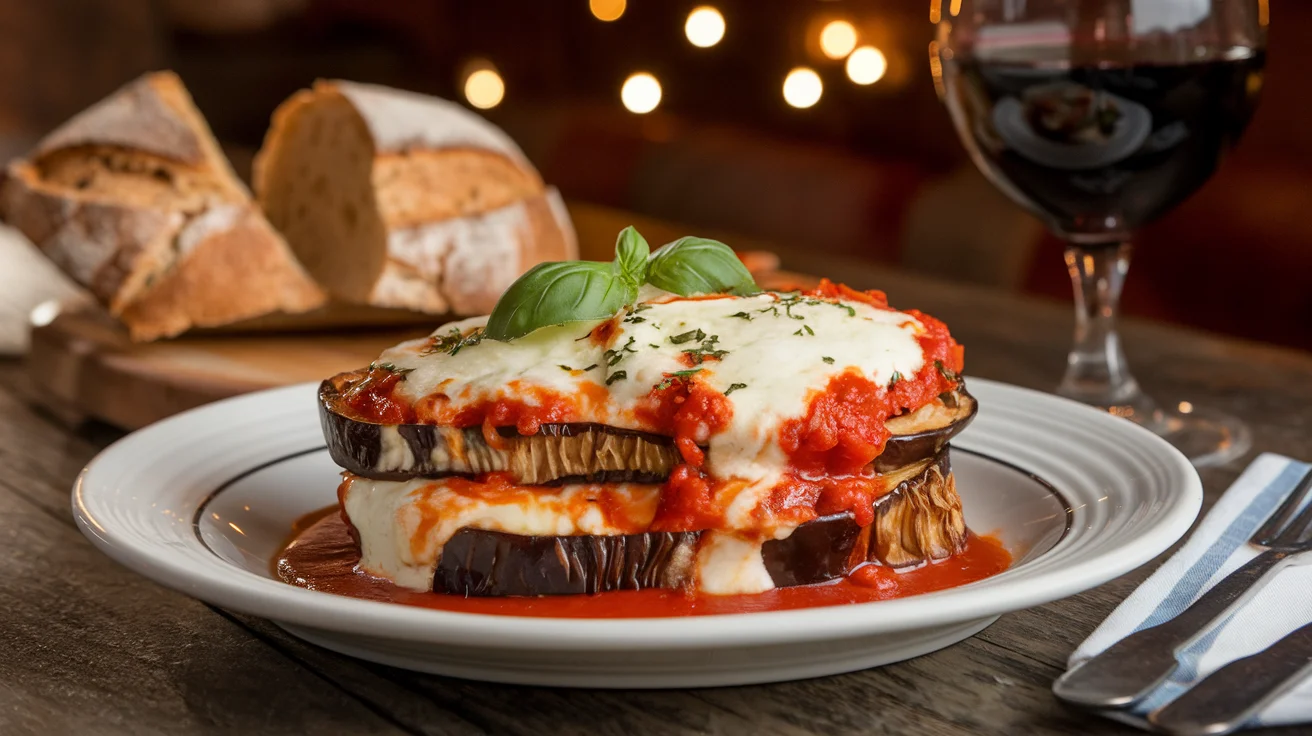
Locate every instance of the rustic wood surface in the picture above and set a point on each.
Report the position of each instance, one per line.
(87, 647)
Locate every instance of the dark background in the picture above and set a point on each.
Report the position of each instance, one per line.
(872, 172)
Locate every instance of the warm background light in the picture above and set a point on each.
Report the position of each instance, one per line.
(641, 93)
(484, 89)
(837, 39)
(936, 69)
(607, 10)
(705, 26)
(866, 65)
(802, 87)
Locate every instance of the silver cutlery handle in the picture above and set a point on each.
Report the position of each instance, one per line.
(1130, 669)
(1227, 698)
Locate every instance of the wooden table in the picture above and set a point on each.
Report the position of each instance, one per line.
(89, 647)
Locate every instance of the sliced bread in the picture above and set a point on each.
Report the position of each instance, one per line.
(395, 199)
(135, 201)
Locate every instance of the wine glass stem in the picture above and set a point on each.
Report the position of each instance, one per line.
(1096, 370)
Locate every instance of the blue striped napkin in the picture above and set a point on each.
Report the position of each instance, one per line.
(1217, 547)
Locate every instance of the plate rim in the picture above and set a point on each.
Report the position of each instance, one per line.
(242, 590)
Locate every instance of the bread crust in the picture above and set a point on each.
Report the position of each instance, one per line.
(225, 246)
(134, 200)
(463, 264)
(463, 212)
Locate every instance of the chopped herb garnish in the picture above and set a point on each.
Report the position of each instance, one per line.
(808, 329)
(742, 315)
(594, 365)
(616, 376)
(895, 378)
(670, 378)
(653, 345)
(791, 302)
(799, 332)
(615, 356)
(390, 368)
(734, 387)
(564, 367)
(706, 350)
(850, 311)
(689, 336)
(946, 372)
(452, 342)
(634, 319)
(827, 359)
(642, 308)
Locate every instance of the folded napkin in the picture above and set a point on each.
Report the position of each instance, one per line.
(1217, 547)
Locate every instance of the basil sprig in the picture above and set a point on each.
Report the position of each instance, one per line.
(691, 266)
(561, 292)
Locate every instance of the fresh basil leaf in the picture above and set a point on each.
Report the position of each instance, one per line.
(557, 293)
(691, 266)
(631, 252)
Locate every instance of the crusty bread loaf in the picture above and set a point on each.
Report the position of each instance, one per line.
(135, 201)
(395, 199)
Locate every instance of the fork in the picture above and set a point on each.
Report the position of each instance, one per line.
(1132, 667)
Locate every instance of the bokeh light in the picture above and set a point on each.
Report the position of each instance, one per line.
(705, 27)
(802, 87)
(484, 88)
(837, 39)
(866, 65)
(641, 93)
(607, 10)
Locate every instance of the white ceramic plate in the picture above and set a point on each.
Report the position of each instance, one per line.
(200, 502)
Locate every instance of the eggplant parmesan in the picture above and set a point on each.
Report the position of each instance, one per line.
(720, 443)
(653, 422)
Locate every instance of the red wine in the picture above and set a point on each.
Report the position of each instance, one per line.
(1097, 151)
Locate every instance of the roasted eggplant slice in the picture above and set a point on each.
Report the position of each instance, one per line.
(558, 453)
(574, 453)
(918, 521)
(484, 563)
(922, 433)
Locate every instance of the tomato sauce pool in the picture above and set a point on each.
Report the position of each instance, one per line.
(321, 556)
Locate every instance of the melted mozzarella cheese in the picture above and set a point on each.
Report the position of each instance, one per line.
(774, 358)
(728, 564)
(403, 525)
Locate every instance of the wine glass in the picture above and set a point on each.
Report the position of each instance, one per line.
(1099, 116)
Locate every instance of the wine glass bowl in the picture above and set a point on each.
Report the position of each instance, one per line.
(1099, 116)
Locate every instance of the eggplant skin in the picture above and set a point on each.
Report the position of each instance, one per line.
(558, 453)
(920, 520)
(487, 563)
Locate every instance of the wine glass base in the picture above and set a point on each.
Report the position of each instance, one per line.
(1208, 438)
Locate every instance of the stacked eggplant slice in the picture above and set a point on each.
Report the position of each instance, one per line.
(918, 520)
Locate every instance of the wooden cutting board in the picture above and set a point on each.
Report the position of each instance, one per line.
(84, 366)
